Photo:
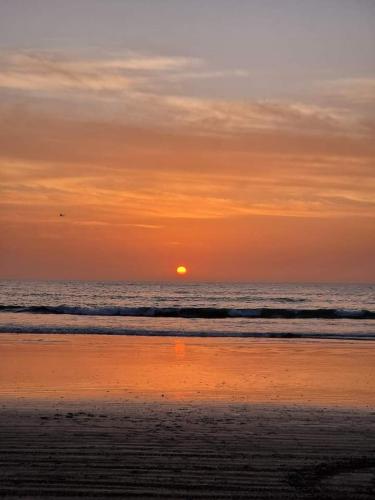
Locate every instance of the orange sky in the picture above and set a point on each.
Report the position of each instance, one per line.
(152, 171)
(134, 210)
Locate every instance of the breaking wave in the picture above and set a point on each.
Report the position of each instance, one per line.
(195, 312)
(139, 332)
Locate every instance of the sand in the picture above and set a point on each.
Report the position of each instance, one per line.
(170, 418)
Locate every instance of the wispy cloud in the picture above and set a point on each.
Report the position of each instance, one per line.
(352, 90)
(51, 71)
(291, 188)
(239, 117)
(128, 89)
(204, 75)
(106, 141)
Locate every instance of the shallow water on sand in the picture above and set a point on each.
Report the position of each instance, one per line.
(315, 372)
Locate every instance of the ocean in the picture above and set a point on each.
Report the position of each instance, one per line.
(189, 309)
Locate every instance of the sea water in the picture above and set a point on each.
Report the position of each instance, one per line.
(189, 309)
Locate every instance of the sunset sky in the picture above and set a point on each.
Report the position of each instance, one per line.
(233, 137)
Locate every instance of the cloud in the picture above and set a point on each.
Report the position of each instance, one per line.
(46, 73)
(203, 75)
(276, 185)
(353, 90)
(240, 117)
(38, 138)
(156, 63)
(89, 134)
(127, 89)
(52, 71)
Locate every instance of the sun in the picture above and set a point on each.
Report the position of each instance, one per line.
(181, 270)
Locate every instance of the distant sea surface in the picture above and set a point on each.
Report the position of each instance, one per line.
(189, 309)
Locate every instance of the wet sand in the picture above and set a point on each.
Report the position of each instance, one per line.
(186, 418)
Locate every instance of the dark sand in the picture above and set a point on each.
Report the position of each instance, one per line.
(142, 418)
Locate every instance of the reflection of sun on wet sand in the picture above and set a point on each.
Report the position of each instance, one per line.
(256, 371)
(180, 349)
(185, 418)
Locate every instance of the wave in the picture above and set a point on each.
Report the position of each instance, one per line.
(137, 332)
(195, 312)
(246, 298)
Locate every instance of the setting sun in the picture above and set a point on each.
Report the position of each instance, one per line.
(181, 270)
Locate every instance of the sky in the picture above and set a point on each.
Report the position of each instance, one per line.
(235, 137)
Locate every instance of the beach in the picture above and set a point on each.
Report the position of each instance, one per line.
(99, 416)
